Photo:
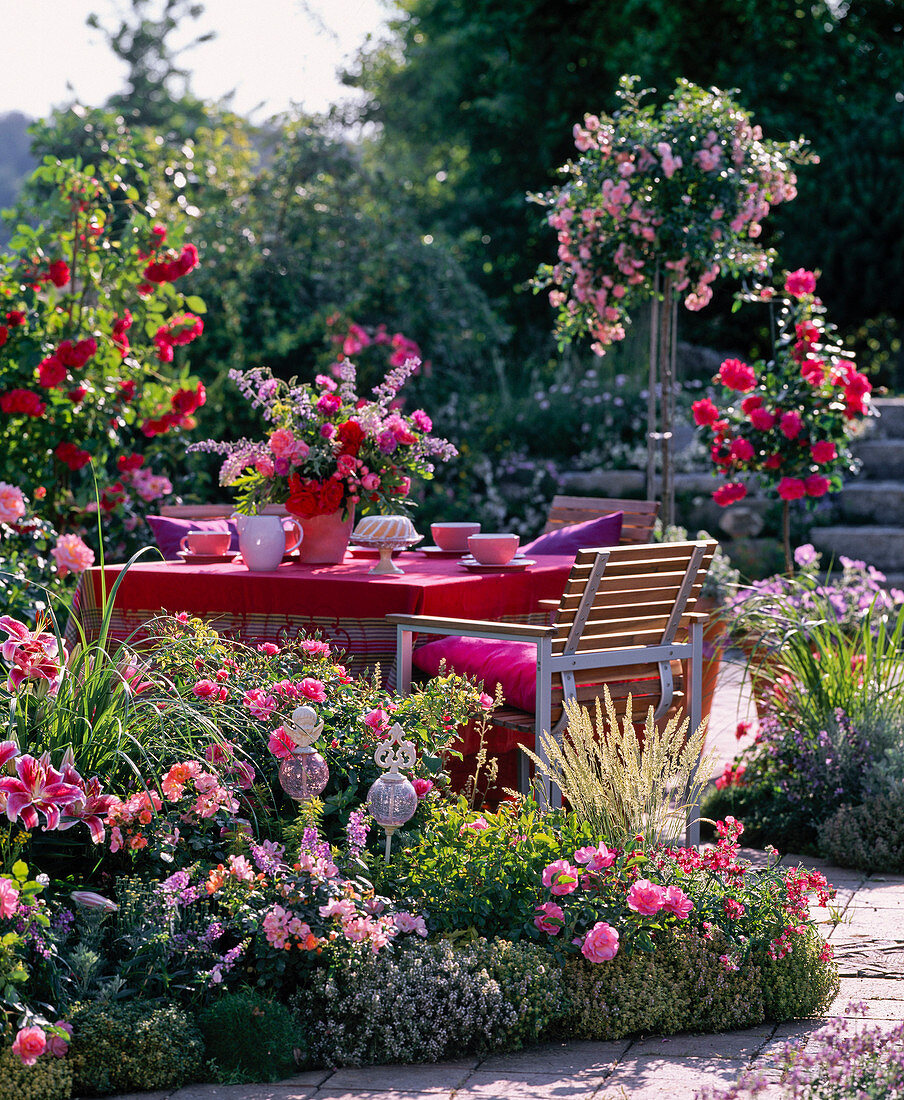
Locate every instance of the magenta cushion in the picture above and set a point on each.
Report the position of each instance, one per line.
(511, 664)
(605, 531)
(169, 532)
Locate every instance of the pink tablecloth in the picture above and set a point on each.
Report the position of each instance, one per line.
(343, 602)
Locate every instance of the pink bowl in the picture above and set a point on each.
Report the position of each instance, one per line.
(453, 536)
(493, 549)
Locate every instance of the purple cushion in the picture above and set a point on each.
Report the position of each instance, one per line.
(169, 532)
(605, 531)
(511, 664)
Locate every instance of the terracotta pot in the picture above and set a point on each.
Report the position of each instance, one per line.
(325, 537)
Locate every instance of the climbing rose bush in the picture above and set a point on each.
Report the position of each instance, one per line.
(92, 320)
(681, 191)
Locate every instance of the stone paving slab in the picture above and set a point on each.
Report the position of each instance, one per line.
(655, 1078)
(496, 1085)
(576, 1058)
(243, 1092)
(725, 1044)
(427, 1078)
(326, 1093)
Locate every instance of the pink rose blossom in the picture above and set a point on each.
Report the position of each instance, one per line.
(800, 283)
(422, 787)
(478, 825)
(405, 922)
(646, 897)
(791, 424)
(206, 689)
(823, 451)
(596, 859)
(312, 689)
(259, 704)
(485, 702)
(29, 1045)
(280, 744)
(547, 915)
(56, 1044)
(370, 483)
(269, 649)
(677, 902)
(735, 375)
(72, 555)
(9, 897)
(315, 648)
(601, 943)
(377, 719)
(560, 877)
(12, 503)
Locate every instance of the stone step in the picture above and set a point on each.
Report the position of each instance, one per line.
(882, 547)
(890, 422)
(876, 502)
(881, 458)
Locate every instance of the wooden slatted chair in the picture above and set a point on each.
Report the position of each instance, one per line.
(637, 525)
(626, 620)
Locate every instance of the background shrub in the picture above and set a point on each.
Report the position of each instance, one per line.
(430, 1001)
(48, 1079)
(870, 836)
(251, 1038)
(133, 1046)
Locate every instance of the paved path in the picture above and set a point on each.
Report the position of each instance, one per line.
(869, 944)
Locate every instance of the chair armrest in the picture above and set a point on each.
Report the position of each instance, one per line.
(434, 624)
(549, 605)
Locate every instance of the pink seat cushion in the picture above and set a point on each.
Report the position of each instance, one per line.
(169, 532)
(511, 664)
(605, 531)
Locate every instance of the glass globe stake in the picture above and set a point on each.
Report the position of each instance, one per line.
(392, 799)
(304, 774)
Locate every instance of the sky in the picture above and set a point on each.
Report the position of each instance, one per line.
(271, 52)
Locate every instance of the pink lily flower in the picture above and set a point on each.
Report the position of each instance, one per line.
(32, 662)
(90, 807)
(20, 634)
(36, 786)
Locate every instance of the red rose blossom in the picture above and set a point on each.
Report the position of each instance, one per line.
(791, 488)
(22, 401)
(729, 494)
(823, 451)
(58, 273)
(800, 283)
(735, 375)
(816, 485)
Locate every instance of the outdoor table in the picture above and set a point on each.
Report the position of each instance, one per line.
(345, 603)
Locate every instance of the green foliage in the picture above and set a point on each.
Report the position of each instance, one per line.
(480, 879)
(486, 95)
(133, 1047)
(48, 1079)
(803, 983)
(868, 836)
(251, 1038)
(429, 1002)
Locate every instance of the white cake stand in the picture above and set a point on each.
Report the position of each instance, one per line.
(386, 546)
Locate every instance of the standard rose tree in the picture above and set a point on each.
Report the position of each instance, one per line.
(789, 421)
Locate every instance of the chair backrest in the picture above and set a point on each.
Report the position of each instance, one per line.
(637, 525)
(212, 511)
(617, 602)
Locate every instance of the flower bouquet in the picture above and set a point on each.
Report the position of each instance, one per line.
(329, 449)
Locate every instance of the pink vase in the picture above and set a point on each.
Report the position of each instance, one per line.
(325, 537)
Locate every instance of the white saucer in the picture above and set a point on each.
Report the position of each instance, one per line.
(517, 565)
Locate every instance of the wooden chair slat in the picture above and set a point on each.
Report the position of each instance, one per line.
(639, 516)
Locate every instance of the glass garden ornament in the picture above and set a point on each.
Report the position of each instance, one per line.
(304, 774)
(392, 799)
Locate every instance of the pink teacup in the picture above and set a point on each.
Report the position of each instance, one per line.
(213, 544)
(493, 549)
(453, 536)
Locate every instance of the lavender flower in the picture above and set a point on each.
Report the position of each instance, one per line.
(356, 830)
